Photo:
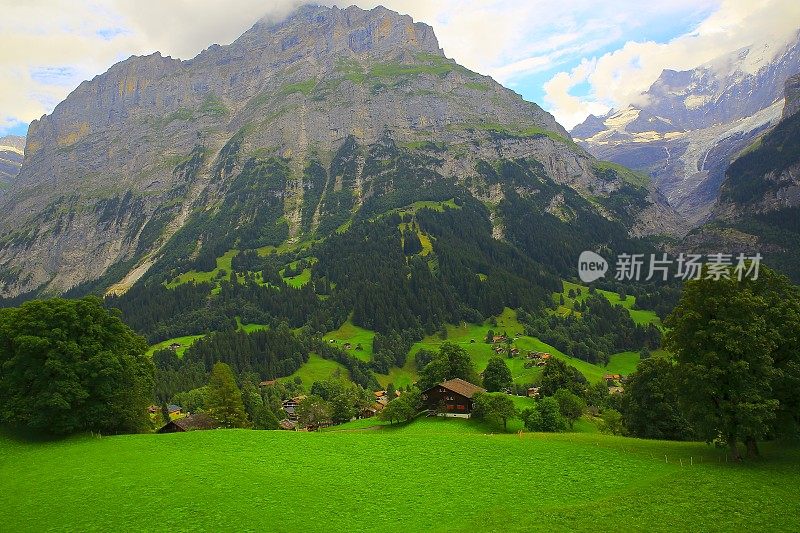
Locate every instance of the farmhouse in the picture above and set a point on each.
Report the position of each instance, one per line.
(533, 392)
(174, 409)
(498, 338)
(174, 346)
(290, 406)
(451, 398)
(268, 383)
(196, 422)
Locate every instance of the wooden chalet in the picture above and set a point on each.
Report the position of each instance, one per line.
(451, 398)
(533, 392)
(290, 406)
(198, 422)
(174, 346)
(268, 383)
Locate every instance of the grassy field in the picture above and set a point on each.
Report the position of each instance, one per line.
(317, 369)
(431, 475)
(355, 336)
(223, 263)
(639, 316)
(185, 342)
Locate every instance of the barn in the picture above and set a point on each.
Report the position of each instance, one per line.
(196, 422)
(451, 398)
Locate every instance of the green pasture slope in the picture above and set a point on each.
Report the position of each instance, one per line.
(432, 475)
(639, 316)
(480, 352)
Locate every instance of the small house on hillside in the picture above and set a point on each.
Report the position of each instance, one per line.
(498, 338)
(451, 398)
(200, 421)
(533, 392)
(290, 406)
(615, 390)
(268, 383)
(174, 409)
(174, 346)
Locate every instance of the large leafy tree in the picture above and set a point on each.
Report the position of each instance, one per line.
(570, 405)
(404, 408)
(736, 344)
(494, 407)
(650, 403)
(71, 365)
(497, 375)
(224, 400)
(314, 411)
(545, 415)
(451, 362)
(559, 375)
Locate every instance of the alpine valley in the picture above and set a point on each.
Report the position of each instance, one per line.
(330, 231)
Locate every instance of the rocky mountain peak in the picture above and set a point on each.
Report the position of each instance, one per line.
(792, 96)
(332, 111)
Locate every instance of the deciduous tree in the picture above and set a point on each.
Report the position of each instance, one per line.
(497, 375)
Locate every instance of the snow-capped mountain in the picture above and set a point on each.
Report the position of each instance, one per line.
(691, 124)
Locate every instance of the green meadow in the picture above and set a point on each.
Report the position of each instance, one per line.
(638, 315)
(431, 475)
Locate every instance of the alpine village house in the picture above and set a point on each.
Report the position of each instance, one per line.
(451, 398)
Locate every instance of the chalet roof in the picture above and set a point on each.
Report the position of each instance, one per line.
(173, 408)
(459, 386)
(195, 422)
(287, 424)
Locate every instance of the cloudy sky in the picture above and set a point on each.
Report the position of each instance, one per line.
(573, 57)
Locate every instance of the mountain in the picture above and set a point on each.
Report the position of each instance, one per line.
(690, 125)
(291, 134)
(758, 209)
(11, 152)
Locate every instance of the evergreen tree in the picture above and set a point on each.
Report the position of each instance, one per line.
(264, 418)
(224, 401)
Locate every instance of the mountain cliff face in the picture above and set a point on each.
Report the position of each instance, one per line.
(692, 124)
(758, 209)
(281, 138)
(11, 152)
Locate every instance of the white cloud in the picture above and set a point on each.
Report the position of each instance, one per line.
(618, 78)
(48, 47)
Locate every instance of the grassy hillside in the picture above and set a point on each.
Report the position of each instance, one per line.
(639, 316)
(432, 475)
